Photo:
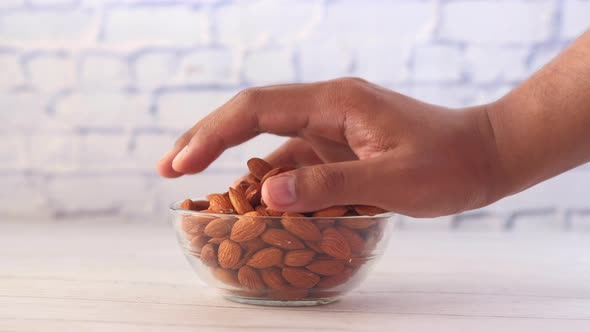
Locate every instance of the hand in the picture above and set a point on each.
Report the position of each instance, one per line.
(359, 144)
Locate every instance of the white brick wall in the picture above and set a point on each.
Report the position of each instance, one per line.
(92, 92)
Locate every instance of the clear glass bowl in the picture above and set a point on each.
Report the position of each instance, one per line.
(302, 272)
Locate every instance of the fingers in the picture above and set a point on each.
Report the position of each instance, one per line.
(164, 166)
(294, 152)
(317, 187)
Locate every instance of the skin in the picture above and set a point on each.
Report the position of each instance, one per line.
(358, 143)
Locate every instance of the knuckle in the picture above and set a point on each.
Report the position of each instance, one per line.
(348, 92)
(249, 95)
(327, 178)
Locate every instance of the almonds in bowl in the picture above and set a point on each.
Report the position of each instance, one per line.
(259, 256)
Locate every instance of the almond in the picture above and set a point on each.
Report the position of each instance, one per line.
(331, 212)
(252, 246)
(299, 257)
(217, 228)
(315, 246)
(239, 202)
(269, 174)
(253, 194)
(209, 255)
(334, 244)
(229, 253)
(200, 205)
(242, 187)
(198, 242)
(246, 229)
(272, 278)
(297, 225)
(217, 240)
(282, 239)
(357, 223)
(290, 293)
(261, 210)
(273, 213)
(335, 280)
(367, 210)
(226, 276)
(300, 278)
(266, 257)
(219, 203)
(249, 278)
(258, 167)
(189, 226)
(326, 267)
(187, 204)
(324, 223)
(356, 242)
(250, 178)
(273, 222)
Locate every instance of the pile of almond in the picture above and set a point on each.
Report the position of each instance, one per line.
(284, 256)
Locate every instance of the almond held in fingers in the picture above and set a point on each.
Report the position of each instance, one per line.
(282, 239)
(299, 277)
(271, 173)
(258, 167)
(331, 212)
(298, 258)
(253, 194)
(266, 257)
(249, 278)
(273, 278)
(334, 244)
(297, 225)
(239, 202)
(228, 253)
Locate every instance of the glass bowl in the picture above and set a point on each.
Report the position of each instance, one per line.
(278, 267)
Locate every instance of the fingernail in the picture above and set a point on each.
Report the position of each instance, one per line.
(179, 156)
(281, 189)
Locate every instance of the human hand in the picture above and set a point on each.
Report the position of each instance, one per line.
(359, 144)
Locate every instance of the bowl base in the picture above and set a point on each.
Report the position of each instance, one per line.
(281, 303)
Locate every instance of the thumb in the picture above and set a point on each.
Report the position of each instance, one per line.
(317, 187)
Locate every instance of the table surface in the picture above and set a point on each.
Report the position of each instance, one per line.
(91, 276)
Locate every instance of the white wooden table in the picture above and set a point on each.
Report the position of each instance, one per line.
(81, 276)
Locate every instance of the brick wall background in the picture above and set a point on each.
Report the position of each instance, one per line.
(92, 92)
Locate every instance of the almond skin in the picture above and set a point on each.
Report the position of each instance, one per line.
(217, 228)
(242, 187)
(331, 212)
(300, 227)
(300, 278)
(209, 255)
(282, 239)
(217, 240)
(228, 254)
(250, 178)
(334, 244)
(198, 242)
(315, 246)
(357, 223)
(273, 278)
(299, 257)
(252, 246)
(266, 257)
(226, 276)
(219, 203)
(239, 202)
(367, 210)
(326, 267)
(246, 229)
(356, 242)
(271, 173)
(187, 204)
(253, 194)
(258, 167)
(335, 280)
(249, 278)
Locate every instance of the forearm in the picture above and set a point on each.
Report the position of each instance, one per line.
(542, 128)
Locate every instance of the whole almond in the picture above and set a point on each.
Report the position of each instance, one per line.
(335, 280)
(297, 225)
(356, 242)
(315, 246)
(367, 210)
(246, 229)
(273, 222)
(219, 203)
(198, 242)
(253, 194)
(262, 210)
(299, 257)
(324, 223)
(282, 239)
(289, 293)
(331, 212)
(271, 173)
(326, 267)
(273, 278)
(228, 253)
(273, 213)
(334, 244)
(209, 255)
(242, 187)
(200, 205)
(187, 204)
(189, 226)
(249, 278)
(300, 278)
(226, 276)
(258, 167)
(239, 202)
(217, 240)
(217, 228)
(266, 257)
(250, 178)
(252, 246)
(357, 223)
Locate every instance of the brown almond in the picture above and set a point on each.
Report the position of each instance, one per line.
(367, 210)
(282, 239)
(273, 223)
(239, 202)
(228, 253)
(209, 255)
(266, 257)
(334, 244)
(258, 167)
(187, 204)
(326, 267)
(299, 257)
(271, 173)
(193, 228)
(250, 178)
(356, 242)
(253, 194)
(226, 276)
(357, 223)
(335, 280)
(300, 278)
(289, 293)
(217, 240)
(261, 210)
(331, 212)
(242, 187)
(217, 228)
(273, 213)
(297, 225)
(200, 205)
(246, 229)
(252, 246)
(273, 278)
(198, 242)
(249, 278)
(240, 263)
(219, 203)
(324, 223)
(315, 246)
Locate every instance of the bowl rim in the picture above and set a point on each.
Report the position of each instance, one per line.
(174, 208)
